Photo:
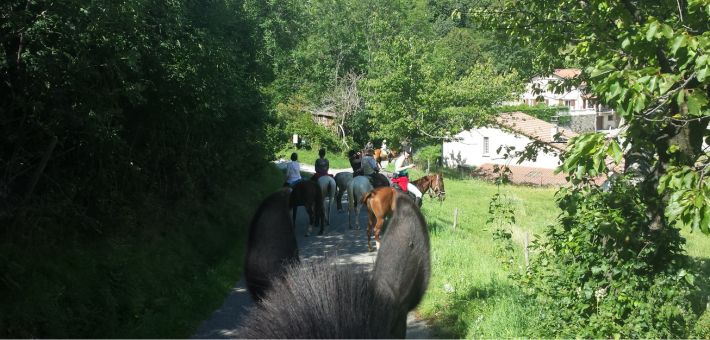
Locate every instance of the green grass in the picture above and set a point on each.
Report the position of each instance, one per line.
(336, 159)
(471, 294)
(161, 282)
(480, 300)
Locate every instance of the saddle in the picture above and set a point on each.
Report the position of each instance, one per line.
(400, 191)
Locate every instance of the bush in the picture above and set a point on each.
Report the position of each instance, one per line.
(431, 153)
(294, 118)
(603, 273)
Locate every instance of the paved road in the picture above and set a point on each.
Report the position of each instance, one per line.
(350, 245)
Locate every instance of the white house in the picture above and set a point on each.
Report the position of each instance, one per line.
(478, 147)
(585, 114)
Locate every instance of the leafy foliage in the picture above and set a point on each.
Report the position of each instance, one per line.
(602, 273)
(415, 93)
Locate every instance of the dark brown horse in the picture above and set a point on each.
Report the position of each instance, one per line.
(380, 202)
(320, 300)
(308, 194)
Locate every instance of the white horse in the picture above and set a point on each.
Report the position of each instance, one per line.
(357, 187)
(327, 184)
(341, 180)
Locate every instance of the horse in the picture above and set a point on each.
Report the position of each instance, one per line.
(341, 181)
(308, 194)
(380, 202)
(434, 182)
(322, 300)
(356, 188)
(327, 185)
(379, 155)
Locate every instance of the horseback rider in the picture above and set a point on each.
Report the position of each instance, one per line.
(355, 162)
(293, 171)
(401, 177)
(384, 147)
(371, 170)
(369, 145)
(322, 166)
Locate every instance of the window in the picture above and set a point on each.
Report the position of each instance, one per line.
(485, 146)
(611, 117)
(569, 103)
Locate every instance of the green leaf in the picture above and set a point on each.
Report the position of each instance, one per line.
(702, 74)
(667, 31)
(615, 151)
(690, 279)
(652, 29)
(678, 42)
(695, 102)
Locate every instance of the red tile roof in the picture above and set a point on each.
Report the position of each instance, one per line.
(535, 128)
(527, 175)
(568, 73)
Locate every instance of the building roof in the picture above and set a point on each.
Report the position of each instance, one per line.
(524, 175)
(535, 128)
(568, 73)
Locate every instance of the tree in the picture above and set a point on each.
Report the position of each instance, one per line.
(614, 263)
(417, 95)
(649, 61)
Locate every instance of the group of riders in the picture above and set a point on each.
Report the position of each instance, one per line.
(362, 165)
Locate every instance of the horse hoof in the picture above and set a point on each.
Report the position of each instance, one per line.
(308, 235)
(320, 233)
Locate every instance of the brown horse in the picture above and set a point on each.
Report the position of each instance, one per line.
(379, 156)
(380, 202)
(434, 182)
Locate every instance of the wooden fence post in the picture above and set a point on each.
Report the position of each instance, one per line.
(456, 212)
(527, 257)
(427, 167)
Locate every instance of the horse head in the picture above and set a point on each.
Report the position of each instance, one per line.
(323, 300)
(436, 184)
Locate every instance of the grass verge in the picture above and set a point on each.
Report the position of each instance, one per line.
(470, 293)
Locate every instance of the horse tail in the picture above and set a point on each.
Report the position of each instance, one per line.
(319, 202)
(366, 196)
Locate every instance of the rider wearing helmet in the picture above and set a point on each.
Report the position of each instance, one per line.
(401, 177)
(369, 145)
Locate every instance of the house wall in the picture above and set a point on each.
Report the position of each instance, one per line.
(469, 150)
(573, 98)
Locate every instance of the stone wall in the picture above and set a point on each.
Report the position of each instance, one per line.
(581, 123)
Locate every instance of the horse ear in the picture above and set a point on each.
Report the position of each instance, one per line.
(402, 266)
(272, 244)
(441, 175)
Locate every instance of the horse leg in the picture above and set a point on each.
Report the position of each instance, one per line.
(309, 210)
(378, 228)
(370, 220)
(357, 213)
(294, 210)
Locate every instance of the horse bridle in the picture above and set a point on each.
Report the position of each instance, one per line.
(436, 189)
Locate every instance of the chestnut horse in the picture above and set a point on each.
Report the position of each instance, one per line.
(379, 156)
(434, 182)
(380, 202)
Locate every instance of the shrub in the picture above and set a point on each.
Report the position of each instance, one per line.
(432, 153)
(603, 273)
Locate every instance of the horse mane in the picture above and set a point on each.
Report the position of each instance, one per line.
(345, 303)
